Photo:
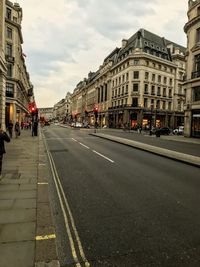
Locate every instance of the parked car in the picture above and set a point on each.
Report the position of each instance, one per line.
(161, 131)
(179, 130)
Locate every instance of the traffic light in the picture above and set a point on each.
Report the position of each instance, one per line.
(95, 112)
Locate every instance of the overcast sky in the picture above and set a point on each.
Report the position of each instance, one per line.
(66, 39)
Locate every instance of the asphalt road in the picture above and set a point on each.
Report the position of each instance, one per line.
(128, 207)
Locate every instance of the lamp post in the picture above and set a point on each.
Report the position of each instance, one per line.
(150, 132)
(95, 115)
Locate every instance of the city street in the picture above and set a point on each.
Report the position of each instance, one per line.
(119, 206)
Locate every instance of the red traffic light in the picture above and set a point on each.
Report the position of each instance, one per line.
(95, 109)
(32, 109)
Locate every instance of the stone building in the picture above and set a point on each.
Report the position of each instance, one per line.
(137, 84)
(192, 84)
(18, 88)
(45, 114)
(2, 65)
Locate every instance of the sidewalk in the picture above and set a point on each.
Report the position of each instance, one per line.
(27, 234)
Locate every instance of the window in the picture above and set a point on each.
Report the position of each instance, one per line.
(9, 90)
(127, 89)
(119, 91)
(170, 92)
(127, 76)
(159, 78)
(164, 105)
(9, 49)
(153, 77)
(135, 87)
(153, 90)
(198, 35)
(9, 70)
(196, 93)
(145, 102)
(164, 91)
(170, 105)
(146, 75)
(197, 62)
(119, 80)
(165, 80)
(134, 101)
(136, 74)
(8, 13)
(122, 90)
(158, 104)
(146, 88)
(123, 78)
(158, 91)
(9, 33)
(170, 81)
(135, 61)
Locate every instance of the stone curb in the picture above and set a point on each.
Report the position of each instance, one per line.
(186, 158)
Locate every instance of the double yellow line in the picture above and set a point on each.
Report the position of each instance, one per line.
(68, 218)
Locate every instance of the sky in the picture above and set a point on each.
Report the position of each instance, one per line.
(66, 39)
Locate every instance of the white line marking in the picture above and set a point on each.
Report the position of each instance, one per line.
(103, 156)
(84, 145)
(74, 140)
(44, 183)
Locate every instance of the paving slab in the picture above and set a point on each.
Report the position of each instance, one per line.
(23, 252)
(15, 232)
(17, 215)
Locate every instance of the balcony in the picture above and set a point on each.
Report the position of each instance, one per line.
(195, 74)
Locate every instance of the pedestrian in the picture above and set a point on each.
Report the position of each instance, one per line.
(17, 129)
(3, 137)
(10, 128)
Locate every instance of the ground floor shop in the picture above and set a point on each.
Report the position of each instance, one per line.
(195, 129)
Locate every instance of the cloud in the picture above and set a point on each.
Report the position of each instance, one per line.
(66, 39)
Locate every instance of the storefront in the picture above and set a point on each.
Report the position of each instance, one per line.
(195, 123)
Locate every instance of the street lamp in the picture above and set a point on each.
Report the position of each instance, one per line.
(150, 132)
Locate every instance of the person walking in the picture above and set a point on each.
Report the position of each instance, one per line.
(17, 129)
(10, 128)
(3, 137)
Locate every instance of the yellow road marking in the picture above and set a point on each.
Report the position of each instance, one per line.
(45, 237)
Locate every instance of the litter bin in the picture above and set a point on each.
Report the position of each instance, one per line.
(157, 133)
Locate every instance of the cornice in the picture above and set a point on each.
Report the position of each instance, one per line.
(191, 23)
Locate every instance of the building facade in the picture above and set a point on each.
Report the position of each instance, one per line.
(45, 114)
(3, 68)
(137, 84)
(192, 83)
(18, 88)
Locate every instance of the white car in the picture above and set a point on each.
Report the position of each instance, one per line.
(179, 130)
